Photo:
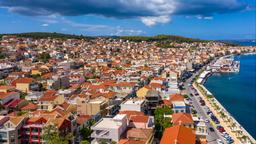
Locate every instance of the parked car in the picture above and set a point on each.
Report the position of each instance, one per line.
(219, 141)
(211, 129)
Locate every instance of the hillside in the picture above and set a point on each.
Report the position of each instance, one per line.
(38, 35)
(163, 41)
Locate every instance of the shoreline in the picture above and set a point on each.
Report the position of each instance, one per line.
(221, 111)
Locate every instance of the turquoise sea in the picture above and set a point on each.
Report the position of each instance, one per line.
(237, 92)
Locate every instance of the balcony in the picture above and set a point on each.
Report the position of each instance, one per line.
(100, 134)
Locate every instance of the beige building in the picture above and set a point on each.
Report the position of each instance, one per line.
(10, 131)
(49, 100)
(94, 106)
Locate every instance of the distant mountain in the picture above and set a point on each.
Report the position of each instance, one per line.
(158, 38)
(38, 35)
(163, 41)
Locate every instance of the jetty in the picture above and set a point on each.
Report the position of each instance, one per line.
(225, 64)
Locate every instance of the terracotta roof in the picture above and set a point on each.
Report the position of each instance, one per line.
(176, 97)
(166, 102)
(139, 119)
(109, 94)
(65, 105)
(131, 113)
(48, 96)
(179, 135)
(4, 95)
(158, 78)
(127, 141)
(30, 106)
(82, 119)
(142, 134)
(16, 120)
(57, 121)
(156, 85)
(47, 75)
(125, 84)
(182, 118)
(14, 103)
(23, 80)
(6, 87)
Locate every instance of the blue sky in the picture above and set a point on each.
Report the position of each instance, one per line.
(204, 19)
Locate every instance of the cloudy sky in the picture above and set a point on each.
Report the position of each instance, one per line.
(205, 19)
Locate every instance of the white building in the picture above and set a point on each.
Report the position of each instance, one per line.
(179, 107)
(109, 129)
(133, 105)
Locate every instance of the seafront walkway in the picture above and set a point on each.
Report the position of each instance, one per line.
(231, 126)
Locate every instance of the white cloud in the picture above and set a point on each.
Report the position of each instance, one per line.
(45, 25)
(208, 18)
(123, 31)
(150, 12)
(204, 17)
(151, 21)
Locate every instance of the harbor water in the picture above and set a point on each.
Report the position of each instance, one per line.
(237, 92)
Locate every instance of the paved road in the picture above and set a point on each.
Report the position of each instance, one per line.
(212, 136)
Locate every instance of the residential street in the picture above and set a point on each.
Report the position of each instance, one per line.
(212, 136)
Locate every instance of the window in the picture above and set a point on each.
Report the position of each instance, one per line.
(3, 135)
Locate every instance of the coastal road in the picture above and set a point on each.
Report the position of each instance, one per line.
(212, 136)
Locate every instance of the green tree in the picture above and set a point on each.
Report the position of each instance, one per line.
(162, 122)
(84, 142)
(44, 57)
(2, 56)
(85, 133)
(52, 136)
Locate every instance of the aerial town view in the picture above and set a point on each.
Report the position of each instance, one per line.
(127, 72)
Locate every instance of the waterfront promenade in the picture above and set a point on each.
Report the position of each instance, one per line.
(232, 127)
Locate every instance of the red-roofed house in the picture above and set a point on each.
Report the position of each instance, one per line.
(184, 119)
(178, 135)
(9, 96)
(140, 121)
(49, 100)
(176, 97)
(16, 104)
(82, 121)
(29, 107)
(24, 84)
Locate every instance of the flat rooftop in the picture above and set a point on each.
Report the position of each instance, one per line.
(179, 104)
(134, 102)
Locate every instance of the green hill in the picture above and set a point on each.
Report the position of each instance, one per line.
(38, 35)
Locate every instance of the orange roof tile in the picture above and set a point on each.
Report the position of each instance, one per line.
(156, 85)
(82, 119)
(178, 134)
(6, 87)
(127, 141)
(48, 96)
(131, 113)
(182, 118)
(16, 120)
(176, 97)
(139, 119)
(4, 95)
(30, 106)
(143, 134)
(23, 80)
(166, 102)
